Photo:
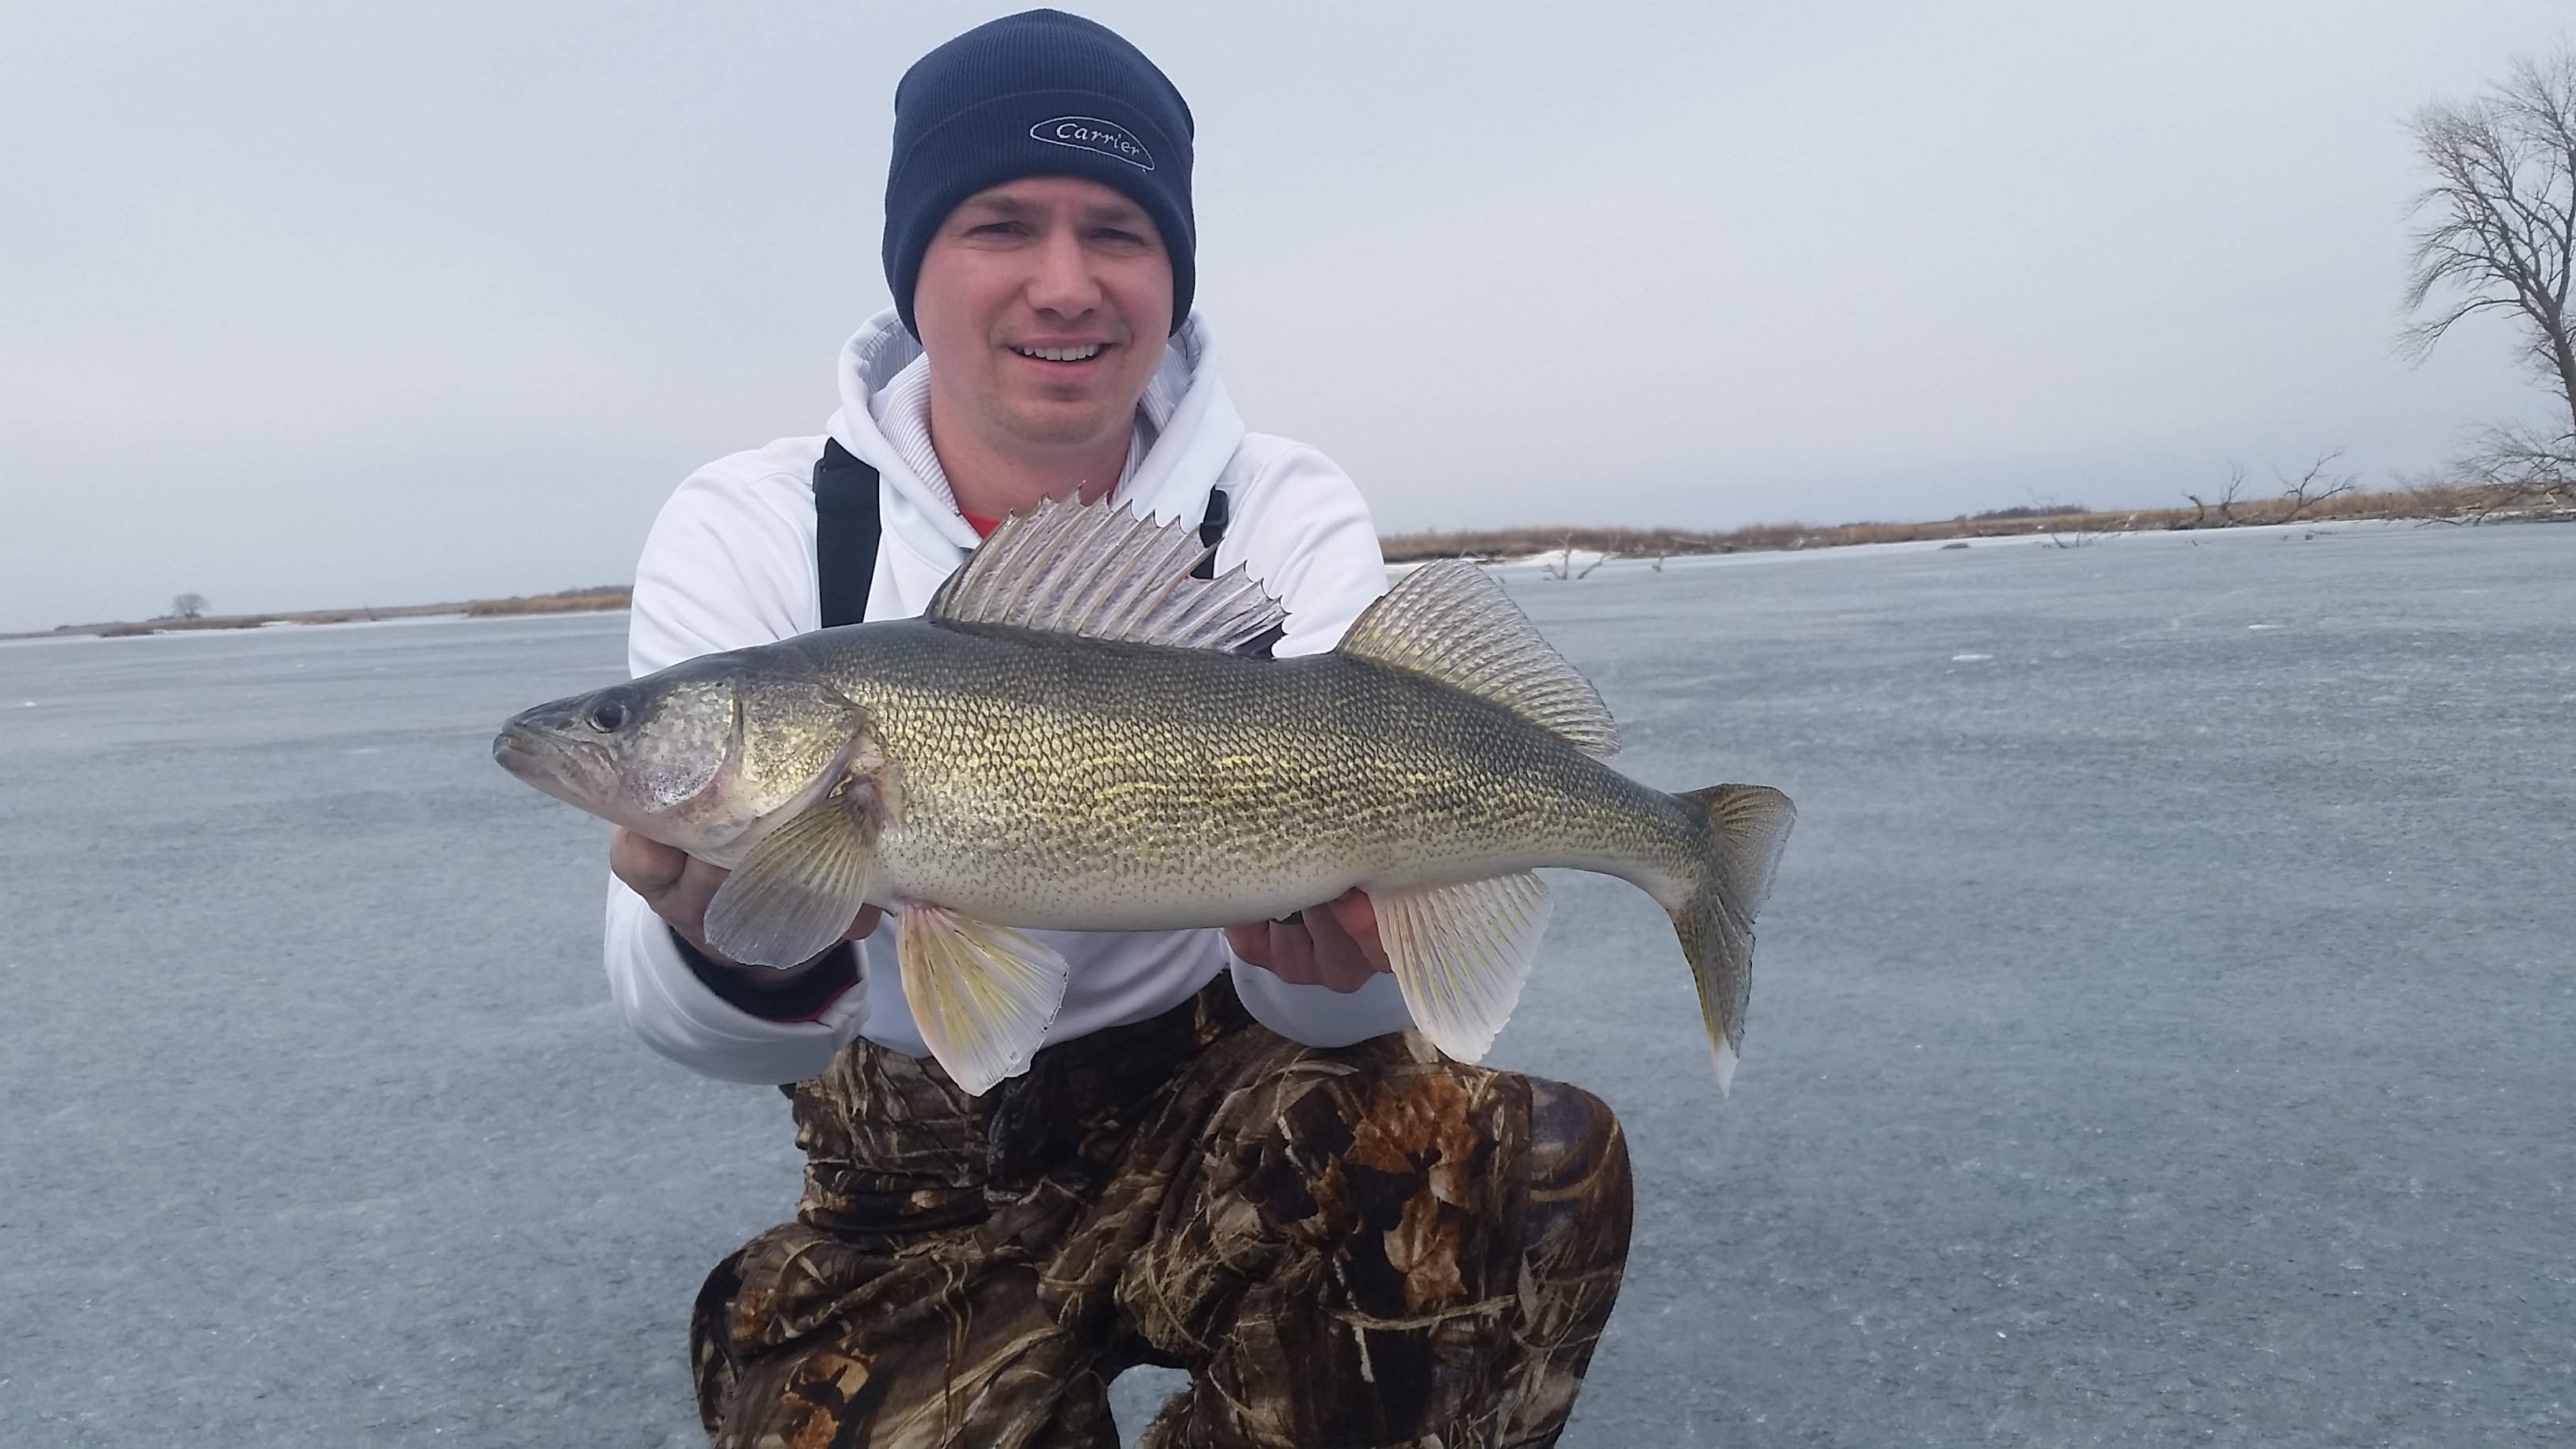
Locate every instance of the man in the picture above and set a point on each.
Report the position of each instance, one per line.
(1230, 1157)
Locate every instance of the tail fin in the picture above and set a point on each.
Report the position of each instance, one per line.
(1748, 826)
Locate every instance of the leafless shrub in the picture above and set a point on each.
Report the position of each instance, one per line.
(188, 606)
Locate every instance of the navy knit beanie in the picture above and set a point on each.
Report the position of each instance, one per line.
(1041, 93)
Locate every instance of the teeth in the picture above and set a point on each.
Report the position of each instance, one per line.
(1084, 353)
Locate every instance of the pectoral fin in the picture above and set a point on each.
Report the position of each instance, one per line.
(1461, 953)
(795, 893)
(983, 995)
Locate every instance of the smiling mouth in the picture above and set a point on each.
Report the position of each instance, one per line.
(1083, 353)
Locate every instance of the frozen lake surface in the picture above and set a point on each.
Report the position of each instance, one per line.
(2164, 1028)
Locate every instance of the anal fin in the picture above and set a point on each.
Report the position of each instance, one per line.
(796, 892)
(983, 995)
(1461, 952)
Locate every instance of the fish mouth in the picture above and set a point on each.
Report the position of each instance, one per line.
(543, 760)
(520, 753)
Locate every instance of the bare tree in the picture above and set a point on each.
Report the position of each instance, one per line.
(2060, 533)
(2503, 239)
(2526, 464)
(189, 606)
(2226, 500)
(1563, 569)
(2314, 486)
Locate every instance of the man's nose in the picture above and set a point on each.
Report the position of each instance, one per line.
(1063, 284)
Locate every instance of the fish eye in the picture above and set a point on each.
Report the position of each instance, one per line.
(608, 714)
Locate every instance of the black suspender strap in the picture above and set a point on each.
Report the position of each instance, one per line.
(846, 528)
(1211, 533)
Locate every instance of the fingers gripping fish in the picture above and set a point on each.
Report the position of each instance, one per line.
(1069, 740)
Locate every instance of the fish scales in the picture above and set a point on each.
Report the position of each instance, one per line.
(1085, 784)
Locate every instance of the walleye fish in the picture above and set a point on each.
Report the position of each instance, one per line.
(1069, 739)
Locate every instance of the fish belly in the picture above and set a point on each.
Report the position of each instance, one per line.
(1080, 900)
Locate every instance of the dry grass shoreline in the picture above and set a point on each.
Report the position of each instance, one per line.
(2445, 504)
(2440, 504)
(569, 601)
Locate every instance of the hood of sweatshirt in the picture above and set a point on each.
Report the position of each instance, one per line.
(1187, 431)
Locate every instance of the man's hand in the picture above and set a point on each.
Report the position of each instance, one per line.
(678, 885)
(1333, 945)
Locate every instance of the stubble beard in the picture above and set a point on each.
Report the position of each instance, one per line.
(1041, 422)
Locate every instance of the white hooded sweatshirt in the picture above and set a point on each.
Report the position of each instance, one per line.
(730, 564)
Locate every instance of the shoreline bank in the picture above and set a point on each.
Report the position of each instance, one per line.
(1573, 551)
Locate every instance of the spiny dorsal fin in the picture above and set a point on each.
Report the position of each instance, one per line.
(1451, 622)
(1096, 570)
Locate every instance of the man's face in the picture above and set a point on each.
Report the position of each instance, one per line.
(1043, 304)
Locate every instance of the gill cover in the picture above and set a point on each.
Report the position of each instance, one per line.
(646, 754)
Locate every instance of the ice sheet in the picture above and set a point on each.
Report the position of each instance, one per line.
(2159, 1029)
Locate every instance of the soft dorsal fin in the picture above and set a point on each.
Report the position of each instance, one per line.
(1096, 570)
(1449, 621)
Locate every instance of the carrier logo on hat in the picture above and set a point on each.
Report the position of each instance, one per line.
(1090, 133)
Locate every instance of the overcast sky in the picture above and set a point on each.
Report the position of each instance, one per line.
(325, 304)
